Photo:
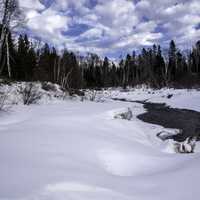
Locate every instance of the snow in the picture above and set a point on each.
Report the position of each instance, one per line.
(78, 150)
(182, 98)
(13, 92)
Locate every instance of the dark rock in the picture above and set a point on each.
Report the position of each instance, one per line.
(169, 96)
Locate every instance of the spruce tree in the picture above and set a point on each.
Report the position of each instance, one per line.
(172, 61)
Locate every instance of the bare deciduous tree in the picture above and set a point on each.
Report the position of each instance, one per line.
(9, 19)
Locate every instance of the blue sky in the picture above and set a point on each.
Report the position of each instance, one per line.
(113, 27)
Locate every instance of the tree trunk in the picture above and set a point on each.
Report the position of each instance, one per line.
(8, 57)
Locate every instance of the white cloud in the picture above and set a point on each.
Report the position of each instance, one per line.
(114, 24)
(48, 25)
(143, 5)
(93, 33)
(31, 4)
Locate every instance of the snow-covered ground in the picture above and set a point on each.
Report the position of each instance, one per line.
(73, 150)
(48, 92)
(180, 98)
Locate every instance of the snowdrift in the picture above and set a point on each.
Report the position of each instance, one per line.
(46, 92)
(79, 150)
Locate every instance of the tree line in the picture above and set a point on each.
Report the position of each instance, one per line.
(25, 60)
(29, 63)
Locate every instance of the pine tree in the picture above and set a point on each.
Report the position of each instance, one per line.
(172, 61)
(159, 69)
(196, 58)
(26, 60)
(105, 68)
(121, 72)
(43, 68)
(21, 59)
(127, 71)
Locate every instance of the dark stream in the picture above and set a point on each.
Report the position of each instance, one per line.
(187, 121)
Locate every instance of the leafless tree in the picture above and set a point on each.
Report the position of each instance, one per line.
(61, 75)
(9, 19)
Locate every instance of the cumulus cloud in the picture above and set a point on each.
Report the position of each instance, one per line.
(108, 26)
(31, 4)
(47, 25)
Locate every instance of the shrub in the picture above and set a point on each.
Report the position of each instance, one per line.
(92, 95)
(30, 94)
(3, 98)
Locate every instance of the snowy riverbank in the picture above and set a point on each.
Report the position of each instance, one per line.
(79, 150)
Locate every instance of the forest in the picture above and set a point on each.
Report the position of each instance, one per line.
(99, 99)
(25, 59)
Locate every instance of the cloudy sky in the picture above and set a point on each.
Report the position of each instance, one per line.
(113, 27)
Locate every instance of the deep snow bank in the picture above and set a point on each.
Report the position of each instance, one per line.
(47, 92)
(77, 150)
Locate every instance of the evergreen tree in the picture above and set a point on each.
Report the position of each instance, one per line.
(43, 68)
(26, 60)
(159, 69)
(22, 53)
(172, 61)
(127, 66)
(105, 71)
(148, 67)
(196, 58)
